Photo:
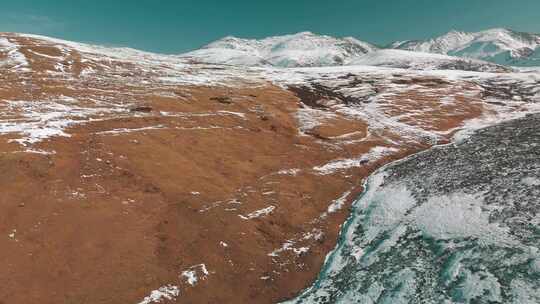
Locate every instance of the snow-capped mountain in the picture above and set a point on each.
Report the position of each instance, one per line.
(424, 61)
(307, 49)
(498, 45)
(301, 49)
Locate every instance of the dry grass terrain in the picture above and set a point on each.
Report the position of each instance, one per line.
(123, 175)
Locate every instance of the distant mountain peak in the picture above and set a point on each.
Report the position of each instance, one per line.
(299, 49)
(498, 45)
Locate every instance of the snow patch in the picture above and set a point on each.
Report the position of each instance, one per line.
(338, 203)
(258, 213)
(168, 292)
(16, 59)
(39, 120)
(289, 246)
(127, 130)
(344, 164)
(309, 118)
(195, 273)
(292, 172)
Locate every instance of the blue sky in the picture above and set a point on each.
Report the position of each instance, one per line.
(176, 26)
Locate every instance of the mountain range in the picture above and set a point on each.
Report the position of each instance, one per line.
(502, 46)
(477, 51)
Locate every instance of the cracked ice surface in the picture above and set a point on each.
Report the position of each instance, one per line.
(455, 224)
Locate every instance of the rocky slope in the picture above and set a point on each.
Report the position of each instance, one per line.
(501, 46)
(131, 177)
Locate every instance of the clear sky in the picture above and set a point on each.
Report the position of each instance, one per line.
(170, 26)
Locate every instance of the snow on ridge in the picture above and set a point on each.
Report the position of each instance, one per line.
(306, 49)
(238, 114)
(338, 203)
(40, 120)
(13, 54)
(258, 213)
(309, 118)
(495, 116)
(167, 292)
(292, 172)
(344, 164)
(301, 49)
(421, 61)
(289, 246)
(120, 131)
(491, 45)
(107, 51)
(171, 69)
